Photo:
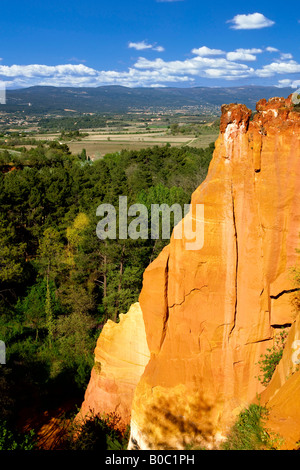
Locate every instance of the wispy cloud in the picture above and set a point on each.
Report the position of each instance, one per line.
(75, 59)
(168, 1)
(142, 45)
(271, 49)
(285, 56)
(206, 51)
(250, 21)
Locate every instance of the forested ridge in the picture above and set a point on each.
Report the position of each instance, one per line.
(59, 282)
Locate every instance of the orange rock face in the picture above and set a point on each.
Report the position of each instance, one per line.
(210, 313)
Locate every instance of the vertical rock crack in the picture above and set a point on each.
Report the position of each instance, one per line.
(166, 318)
(236, 263)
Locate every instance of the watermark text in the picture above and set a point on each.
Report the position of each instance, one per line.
(135, 222)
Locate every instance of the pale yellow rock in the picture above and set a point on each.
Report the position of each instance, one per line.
(121, 355)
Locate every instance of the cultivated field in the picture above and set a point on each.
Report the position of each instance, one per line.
(97, 144)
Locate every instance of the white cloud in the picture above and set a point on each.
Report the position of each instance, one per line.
(206, 51)
(45, 70)
(244, 54)
(278, 67)
(271, 49)
(139, 46)
(240, 55)
(158, 48)
(253, 50)
(288, 83)
(250, 21)
(80, 75)
(142, 45)
(284, 56)
(206, 67)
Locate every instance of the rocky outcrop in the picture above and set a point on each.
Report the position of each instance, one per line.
(185, 362)
(211, 313)
(120, 358)
(282, 394)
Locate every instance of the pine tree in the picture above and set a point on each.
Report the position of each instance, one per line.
(49, 315)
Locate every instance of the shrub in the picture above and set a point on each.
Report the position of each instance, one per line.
(248, 432)
(10, 440)
(271, 359)
(98, 433)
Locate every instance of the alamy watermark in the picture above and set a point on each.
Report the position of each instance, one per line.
(296, 353)
(2, 93)
(2, 352)
(296, 97)
(188, 222)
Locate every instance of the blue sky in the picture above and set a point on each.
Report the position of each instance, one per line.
(181, 43)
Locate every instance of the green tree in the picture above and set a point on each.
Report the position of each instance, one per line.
(50, 252)
(12, 254)
(49, 314)
(75, 343)
(39, 307)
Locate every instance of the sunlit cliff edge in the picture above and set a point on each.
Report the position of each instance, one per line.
(183, 362)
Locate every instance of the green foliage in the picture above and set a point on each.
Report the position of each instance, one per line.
(194, 129)
(248, 433)
(70, 124)
(38, 307)
(49, 314)
(74, 344)
(74, 135)
(58, 282)
(98, 433)
(45, 204)
(271, 359)
(10, 440)
(11, 254)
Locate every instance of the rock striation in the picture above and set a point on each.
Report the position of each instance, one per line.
(206, 315)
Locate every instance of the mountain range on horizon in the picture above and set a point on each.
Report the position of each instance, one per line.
(120, 99)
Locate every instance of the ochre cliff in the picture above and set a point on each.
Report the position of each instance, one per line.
(208, 314)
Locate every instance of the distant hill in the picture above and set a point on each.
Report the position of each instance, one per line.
(114, 99)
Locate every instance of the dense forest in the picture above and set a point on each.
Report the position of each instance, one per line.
(59, 282)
